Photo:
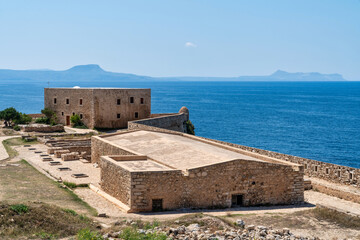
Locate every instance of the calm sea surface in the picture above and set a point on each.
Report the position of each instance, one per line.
(316, 120)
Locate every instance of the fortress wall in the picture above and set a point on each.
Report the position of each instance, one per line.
(312, 168)
(115, 180)
(174, 122)
(101, 147)
(213, 186)
(42, 128)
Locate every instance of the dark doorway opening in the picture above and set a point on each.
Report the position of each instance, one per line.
(157, 205)
(67, 120)
(237, 200)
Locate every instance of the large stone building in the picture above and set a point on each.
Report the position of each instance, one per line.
(99, 107)
(151, 169)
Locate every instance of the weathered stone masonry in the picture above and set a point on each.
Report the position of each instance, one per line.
(213, 185)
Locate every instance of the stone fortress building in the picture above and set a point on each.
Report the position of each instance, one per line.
(99, 107)
(153, 169)
(155, 165)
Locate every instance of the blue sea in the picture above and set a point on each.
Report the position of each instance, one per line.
(316, 120)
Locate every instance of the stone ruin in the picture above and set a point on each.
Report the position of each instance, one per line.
(69, 149)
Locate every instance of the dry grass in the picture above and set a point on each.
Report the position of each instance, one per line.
(40, 221)
(24, 183)
(341, 219)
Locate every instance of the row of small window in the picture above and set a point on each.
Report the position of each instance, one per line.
(136, 115)
(81, 116)
(327, 171)
(118, 101)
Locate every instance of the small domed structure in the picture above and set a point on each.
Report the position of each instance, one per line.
(184, 110)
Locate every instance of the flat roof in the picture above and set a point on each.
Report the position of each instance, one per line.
(176, 151)
(142, 165)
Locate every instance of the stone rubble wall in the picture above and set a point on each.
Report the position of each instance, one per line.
(115, 180)
(101, 147)
(42, 128)
(58, 153)
(174, 122)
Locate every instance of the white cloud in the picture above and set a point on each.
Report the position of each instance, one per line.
(190, 44)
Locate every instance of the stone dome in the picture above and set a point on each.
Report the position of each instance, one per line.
(184, 110)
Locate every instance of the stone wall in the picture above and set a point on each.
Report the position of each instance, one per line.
(101, 147)
(312, 168)
(115, 180)
(206, 187)
(42, 128)
(174, 122)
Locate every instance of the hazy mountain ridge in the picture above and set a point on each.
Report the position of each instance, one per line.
(93, 72)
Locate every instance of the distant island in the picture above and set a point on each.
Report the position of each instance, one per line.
(93, 72)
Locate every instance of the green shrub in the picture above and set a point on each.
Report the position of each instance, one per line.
(23, 119)
(76, 121)
(190, 129)
(70, 184)
(130, 233)
(19, 208)
(43, 120)
(16, 128)
(86, 234)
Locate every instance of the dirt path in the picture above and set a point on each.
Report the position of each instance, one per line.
(3, 154)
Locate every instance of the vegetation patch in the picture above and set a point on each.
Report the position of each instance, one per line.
(39, 220)
(74, 185)
(131, 233)
(339, 218)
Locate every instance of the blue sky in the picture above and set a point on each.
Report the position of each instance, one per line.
(183, 37)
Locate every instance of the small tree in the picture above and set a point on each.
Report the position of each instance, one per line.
(50, 116)
(9, 115)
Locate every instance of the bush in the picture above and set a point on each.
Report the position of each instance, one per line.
(190, 129)
(23, 119)
(19, 208)
(16, 128)
(76, 121)
(43, 120)
(86, 234)
(70, 184)
(130, 233)
(50, 117)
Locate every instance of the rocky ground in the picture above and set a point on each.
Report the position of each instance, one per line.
(210, 228)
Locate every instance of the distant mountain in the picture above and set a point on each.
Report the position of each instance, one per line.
(93, 72)
(80, 73)
(275, 77)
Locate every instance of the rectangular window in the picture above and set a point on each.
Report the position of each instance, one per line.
(316, 168)
(305, 166)
(62, 113)
(118, 101)
(351, 175)
(339, 173)
(81, 116)
(80, 102)
(54, 100)
(118, 115)
(67, 101)
(136, 115)
(157, 205)
(327, 171)
(142, 100)
(131, 99)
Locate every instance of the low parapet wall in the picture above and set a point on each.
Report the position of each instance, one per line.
(174, 122)
(312, 168)
(42, 128)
